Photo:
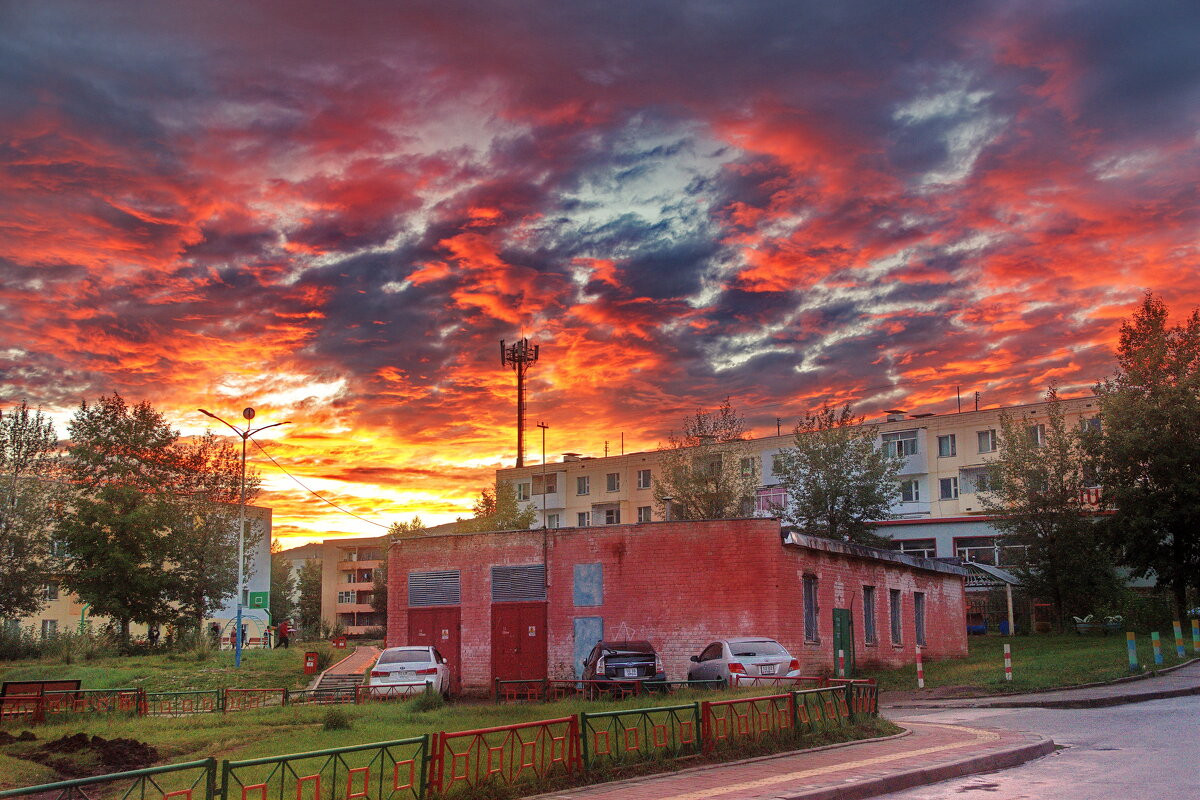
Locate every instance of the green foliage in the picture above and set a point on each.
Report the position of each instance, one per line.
(1035, 490)
(429, 700)
(283, 586)
(839, 481)
(1148, 452)
(497, 510)
(27, 500)
(336, 719)
(309, 582)
(706, 470)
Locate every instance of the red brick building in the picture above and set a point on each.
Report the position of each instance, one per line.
(530, 604)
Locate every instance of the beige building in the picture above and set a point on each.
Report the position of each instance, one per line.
(348, 582)
(938, 512)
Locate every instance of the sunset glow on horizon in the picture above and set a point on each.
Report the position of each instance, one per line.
(335, 212)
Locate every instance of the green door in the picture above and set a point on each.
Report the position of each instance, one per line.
(843, 639)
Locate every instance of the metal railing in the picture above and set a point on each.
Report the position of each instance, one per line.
(181, 704)
(639, 733)
(193, 780)
(745, 719)
(393, 770)
(547, 690)
(507, 755)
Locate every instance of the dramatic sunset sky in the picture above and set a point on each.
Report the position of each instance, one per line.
(333, 211)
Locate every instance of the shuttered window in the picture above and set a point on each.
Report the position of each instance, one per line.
(434, 588)
(516, 584)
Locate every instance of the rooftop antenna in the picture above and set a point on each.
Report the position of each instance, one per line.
(519, 355)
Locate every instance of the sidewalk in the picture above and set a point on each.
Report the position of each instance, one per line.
(927, 753)
(1174, 682)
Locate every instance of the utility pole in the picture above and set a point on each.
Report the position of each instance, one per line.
(519, 355)
(544, 427)
(247, 414)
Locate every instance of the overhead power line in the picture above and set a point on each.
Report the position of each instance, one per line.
(314, 493)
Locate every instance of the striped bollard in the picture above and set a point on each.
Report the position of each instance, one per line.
(1131, 643)
(1178, 639)
(1196, 637)
(1157, 645)
(841, 663)
(1008, 662)
(920, 671)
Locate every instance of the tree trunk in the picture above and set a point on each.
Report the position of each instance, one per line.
(124, 630)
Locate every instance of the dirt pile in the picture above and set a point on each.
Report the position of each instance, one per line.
(80, 755)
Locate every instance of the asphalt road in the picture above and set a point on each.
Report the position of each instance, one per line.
(1139, 751)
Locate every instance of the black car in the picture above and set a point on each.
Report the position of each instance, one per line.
(619, 663)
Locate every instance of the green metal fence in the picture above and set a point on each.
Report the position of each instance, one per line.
(181, 704)
(194, 780)
(381, 771)
(639, 733)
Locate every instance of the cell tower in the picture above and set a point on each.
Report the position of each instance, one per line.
(519, 355)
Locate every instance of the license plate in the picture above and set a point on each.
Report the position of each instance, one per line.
(631, 672)
(766, 669)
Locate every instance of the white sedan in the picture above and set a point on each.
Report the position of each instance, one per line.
(410, 670)
(747, 660)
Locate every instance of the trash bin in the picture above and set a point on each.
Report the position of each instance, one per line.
(340, 642)
(310, 663)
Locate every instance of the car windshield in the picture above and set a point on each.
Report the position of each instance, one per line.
(415, 656)
(765, 647)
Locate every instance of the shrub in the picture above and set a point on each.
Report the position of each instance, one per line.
(336, 720)
(428, 700)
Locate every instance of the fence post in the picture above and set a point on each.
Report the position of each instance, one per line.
(841, 663)
(1196, 637)
(575, 759)
(1007, 662)
(583, 739)
(1178, 639)
(849, 701)
(1157, 645)
(434, 782)
(143, 710)
(496, 690)
(706, 742)
(210, 778)
(286, 695)
(920, 670)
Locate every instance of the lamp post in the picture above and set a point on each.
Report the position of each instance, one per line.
(244, 435)
(667, 500)
(543, 426)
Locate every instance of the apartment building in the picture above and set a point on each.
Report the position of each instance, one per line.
(348, 581)
(937, 514)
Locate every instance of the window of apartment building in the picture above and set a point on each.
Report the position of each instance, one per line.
(919, 617)
(810, 608)
(910, 491)
(583, 484)
(346, 597)
(612, 482)
(545, 484)
(870, 634)
(52, 591)
(900, 443)
(777, 462)
(987, 440)
(643, 479)
(584, 519)
(522, 491)
(49, 628)
(746, 466)
(948, 488)
(894, 614)
(1037, 435)
(980, 549)
(1090, 425)
(922, 548)
(369, 554)
(947, 446)
(976, 479)
(643, 513)
(612, 516)
(553, 521)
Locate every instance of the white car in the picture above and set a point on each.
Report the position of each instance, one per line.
(744, 661)
(410, 670)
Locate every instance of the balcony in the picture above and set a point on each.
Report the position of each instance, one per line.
(349, 566)
(915, 464)
(350, 608)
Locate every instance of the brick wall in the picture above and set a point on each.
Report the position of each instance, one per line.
(681, 585)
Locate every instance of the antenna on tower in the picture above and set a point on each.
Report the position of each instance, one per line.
(519, 355)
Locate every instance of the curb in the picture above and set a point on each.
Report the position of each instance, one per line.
(1098, 702)
(923, 776)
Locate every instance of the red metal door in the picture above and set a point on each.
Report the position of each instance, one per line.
(439, 626)
(519, 641)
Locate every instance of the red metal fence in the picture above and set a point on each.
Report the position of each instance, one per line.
(507, 755)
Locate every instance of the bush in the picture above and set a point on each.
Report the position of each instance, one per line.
(18, 643)
(428, 700)
(336, 720)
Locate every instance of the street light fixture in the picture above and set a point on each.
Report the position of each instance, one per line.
(244, 435)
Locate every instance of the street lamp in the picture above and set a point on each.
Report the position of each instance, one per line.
(244, 435)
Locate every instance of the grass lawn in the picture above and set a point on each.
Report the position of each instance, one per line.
(169, 672)
(1043, 661)
(296, 729)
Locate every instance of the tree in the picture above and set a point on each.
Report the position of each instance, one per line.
(203, 535)
(309, 582)
(1036, 490)
(708, 470)
(116, 535)
(1148, 451)
(379, 592)
(27, 501)
(839, 482)
(283, 585)
(497, 510)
